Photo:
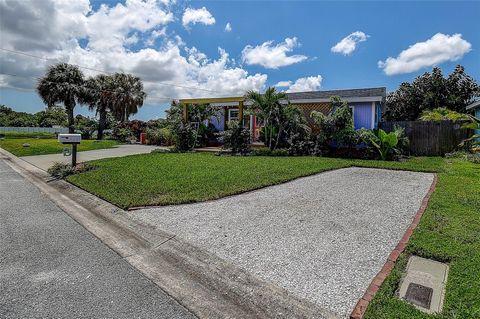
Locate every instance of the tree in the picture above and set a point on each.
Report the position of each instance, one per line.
(63, 83)
(51, 116)
(430, 91)
(127, 95)
(442, 114)
(98, 94)
(269, 109)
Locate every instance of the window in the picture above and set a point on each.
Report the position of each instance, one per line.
(233, 114)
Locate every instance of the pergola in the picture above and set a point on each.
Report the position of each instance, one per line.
(239, 100)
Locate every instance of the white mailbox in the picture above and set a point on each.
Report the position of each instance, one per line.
(69, 138)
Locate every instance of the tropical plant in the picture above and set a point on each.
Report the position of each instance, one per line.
(335, 127)
(384, 143)
(442, 114)
(268, 107)
(127, 95)
(98, 93)
(63, 83)
(185, 137)
(236, 138)
(473, 142)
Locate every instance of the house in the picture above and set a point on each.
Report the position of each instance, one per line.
(367, 105)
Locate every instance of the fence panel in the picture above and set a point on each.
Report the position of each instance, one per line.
(33, 129)
(431, 138)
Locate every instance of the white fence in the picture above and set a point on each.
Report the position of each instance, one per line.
(34, 129)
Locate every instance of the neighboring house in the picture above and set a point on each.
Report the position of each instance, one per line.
(367, 105)
(475, 108)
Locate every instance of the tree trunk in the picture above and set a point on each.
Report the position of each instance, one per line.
(101, 123)
(71, 119)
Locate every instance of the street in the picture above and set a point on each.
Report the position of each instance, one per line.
(51, 267)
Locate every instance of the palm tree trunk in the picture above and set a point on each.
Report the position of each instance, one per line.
(71, 119)
(101, 123)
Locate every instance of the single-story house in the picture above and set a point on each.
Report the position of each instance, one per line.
(367, 105)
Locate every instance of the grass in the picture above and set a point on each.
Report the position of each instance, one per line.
(42, 146)
(449, 230)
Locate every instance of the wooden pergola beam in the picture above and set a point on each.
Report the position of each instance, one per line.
(238, 99)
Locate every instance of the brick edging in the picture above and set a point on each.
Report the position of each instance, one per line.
(359, 310)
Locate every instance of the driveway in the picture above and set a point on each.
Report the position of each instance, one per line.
(45, 161)
(51, 267)
(322, 237)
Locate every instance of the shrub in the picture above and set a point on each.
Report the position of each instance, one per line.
(300, 144)
(62, 170)
(122, 134)
(236, 138)
(265, 151)
(161, 136)
(185, 136)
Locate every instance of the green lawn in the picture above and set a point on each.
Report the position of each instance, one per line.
(449, 230)
(41, 146)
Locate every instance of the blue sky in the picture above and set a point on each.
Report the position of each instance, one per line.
(302, 34)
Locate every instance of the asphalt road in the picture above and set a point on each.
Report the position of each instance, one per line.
(51, 267)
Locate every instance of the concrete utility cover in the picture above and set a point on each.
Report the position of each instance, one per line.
(322, 237)
(424, 284)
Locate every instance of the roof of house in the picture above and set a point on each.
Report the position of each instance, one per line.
(350, 93)
(474, 105)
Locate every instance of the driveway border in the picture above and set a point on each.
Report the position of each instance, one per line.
(362, 305)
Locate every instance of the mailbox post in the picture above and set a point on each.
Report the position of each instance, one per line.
(74, 140)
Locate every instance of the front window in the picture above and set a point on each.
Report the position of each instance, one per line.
(233, 115)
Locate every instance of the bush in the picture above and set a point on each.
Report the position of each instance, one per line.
(265, 151)
(236, 138)
(185, 136)
(123, 134)
(300, 144)
(62, 170)
(161, 136)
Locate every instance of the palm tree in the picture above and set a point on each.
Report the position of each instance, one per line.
(270, 109)
(63, 83)
(97, 94)
(128, 95)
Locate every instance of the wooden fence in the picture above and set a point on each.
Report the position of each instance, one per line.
(431, 138)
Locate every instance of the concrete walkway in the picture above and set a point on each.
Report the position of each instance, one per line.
(51, 267)
(45, 161)
(322, 237)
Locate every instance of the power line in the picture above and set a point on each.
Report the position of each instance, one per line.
(104, 71)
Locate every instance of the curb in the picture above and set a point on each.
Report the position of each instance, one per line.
(203, 283)
(362, 305)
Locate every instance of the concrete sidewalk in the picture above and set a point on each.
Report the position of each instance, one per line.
(45, 161)
(51, 267)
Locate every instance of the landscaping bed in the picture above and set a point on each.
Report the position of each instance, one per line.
(42, 146)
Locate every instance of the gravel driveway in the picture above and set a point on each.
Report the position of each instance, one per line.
(322, 237)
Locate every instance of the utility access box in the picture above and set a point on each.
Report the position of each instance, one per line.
(69, 138)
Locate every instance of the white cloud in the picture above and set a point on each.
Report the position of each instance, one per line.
(438, 49)
(311, 83)
(283, 84)
(168, 71)
(228, 27)
(348, 44)
(194, 16)
(272, 56)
